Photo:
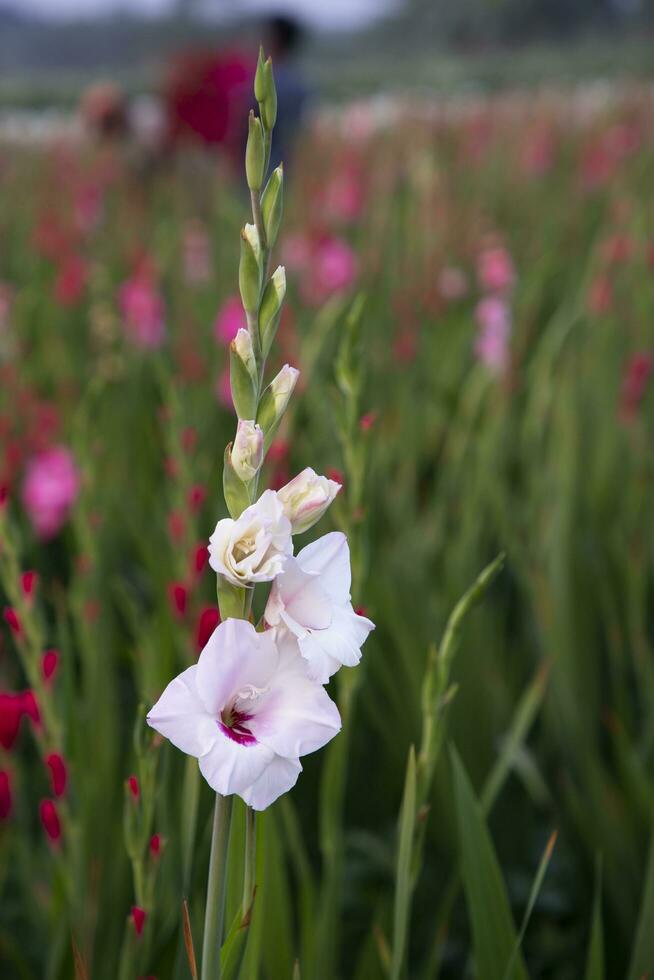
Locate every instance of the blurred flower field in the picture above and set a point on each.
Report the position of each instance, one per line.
(471, 308)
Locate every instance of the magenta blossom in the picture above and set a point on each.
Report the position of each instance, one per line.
(332, 270)
(50, 489)
(142, 308)
(492, 342)
(230, 319)
(495, 270)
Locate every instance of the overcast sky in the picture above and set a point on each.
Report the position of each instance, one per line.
(331, 13)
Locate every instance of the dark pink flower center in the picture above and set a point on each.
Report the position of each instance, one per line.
(232, 723)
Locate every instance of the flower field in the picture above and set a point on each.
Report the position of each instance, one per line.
(468, 297)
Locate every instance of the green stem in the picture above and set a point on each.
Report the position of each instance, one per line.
(216, 889)
(249, 875)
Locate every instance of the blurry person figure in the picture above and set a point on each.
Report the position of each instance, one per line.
(103, 110)
(283, 37)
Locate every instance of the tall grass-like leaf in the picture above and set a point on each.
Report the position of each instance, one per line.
(595, 955)
(642, 956)
(403, 873)
(493, 930)
(533, 896)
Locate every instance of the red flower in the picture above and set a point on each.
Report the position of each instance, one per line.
(209, 619)
(176, 525)
(28, 581)
(30, 707)
(200, 558)
(50, 820)
(334, 474)
(49, 664)
(155, 845)
(197, 496)
(58, 773)
(12, 621)
(134, 787)
(5, 795)
(11, 711)
(177, 595)
(139, 916)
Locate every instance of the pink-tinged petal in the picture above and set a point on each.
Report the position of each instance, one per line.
(301, 596)
(235, 656)
(340, 645)
(280, 776)
(330, 557)
(295, 715)
(229, 767)
(181, 717)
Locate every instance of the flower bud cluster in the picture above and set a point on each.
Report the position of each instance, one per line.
(255, 702)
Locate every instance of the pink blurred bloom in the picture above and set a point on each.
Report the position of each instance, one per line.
(50, 489)
(230, 319)
(332, 269)
(142, 308)
(495, 270)
(197, 253)
(452, 283)
(492, 342)
(343, 197)
(71, 280)
(635, 379)
(600, 295)
(224, 390)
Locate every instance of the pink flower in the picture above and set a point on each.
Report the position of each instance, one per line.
(495, 270)
(50, 489)
(343, 197)
(197, 253)
(224, 390)
(452, 283)
(71, 280)
(635, 379)
(230, 319)
(142, 309)
(296, 252)
(332, 269)
(492, 342)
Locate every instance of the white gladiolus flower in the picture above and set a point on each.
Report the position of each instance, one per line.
(306, 498)
(309, 605)
(253, 547)
(247, 711)
(247, 451)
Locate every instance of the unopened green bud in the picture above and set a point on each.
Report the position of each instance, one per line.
(268, 104)
(249, 270)
(274, 402)
(259, 77)
(271, 304)
(272, 204)
(254, 153)
(242, 375)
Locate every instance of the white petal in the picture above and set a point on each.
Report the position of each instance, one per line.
(276, 779)
(229, 767)
(340, 645)
(296, 715)
(235, 656)
(330, 556)
(181, 717)
(302, 596)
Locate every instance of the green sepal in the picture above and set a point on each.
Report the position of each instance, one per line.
(231, 599)
(236, 492)
(272, 204)
(243, 385)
